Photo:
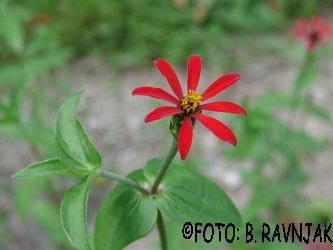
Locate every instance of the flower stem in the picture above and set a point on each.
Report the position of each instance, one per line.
(123, 179)
(297, 99)
(161, 230)
(166, 163)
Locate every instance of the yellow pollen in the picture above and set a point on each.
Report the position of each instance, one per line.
(190, 102)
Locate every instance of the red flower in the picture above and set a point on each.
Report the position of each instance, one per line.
(315, 31)
(188, 106)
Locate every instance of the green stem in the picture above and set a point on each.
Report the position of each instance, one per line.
(161, 230)
(168, 159)
(297, 99)
(123, 179)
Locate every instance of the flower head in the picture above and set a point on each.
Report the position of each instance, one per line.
(315, 31)
(188, 106)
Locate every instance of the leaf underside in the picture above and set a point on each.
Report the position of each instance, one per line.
(73, 213)
(125, 216)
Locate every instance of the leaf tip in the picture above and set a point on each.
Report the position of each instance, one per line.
(15, 176)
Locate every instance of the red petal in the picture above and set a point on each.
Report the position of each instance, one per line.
(217, 127)
(161, 112)
(170, 75)
(219, 85)
(227, 107)
(185, 137)
(301, 28)
(156, 93)
(315, 22)
(193, 72)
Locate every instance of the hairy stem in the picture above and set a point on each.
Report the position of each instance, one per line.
(123, 179)
(161, 230)
(166, 163)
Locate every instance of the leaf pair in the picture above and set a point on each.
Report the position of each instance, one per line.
(77, 156)
(185, 196)
(76, 153)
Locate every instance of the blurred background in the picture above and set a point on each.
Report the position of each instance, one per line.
(280, 171)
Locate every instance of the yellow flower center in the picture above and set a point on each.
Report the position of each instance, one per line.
(190, 102)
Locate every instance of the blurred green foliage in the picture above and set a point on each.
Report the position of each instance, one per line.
(28, 57)
(132, 33)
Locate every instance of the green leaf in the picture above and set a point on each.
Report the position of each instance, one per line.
(267, 102)
(270, 100)
(186, 196)
(19, 93)
(307, 74)
(72, 142)
(34, 133)
(11, 29)
(54, 59)
(125, 215)
(47, 167)
(322, 114)
(308, 143)
(9, 73)
(73, 213)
